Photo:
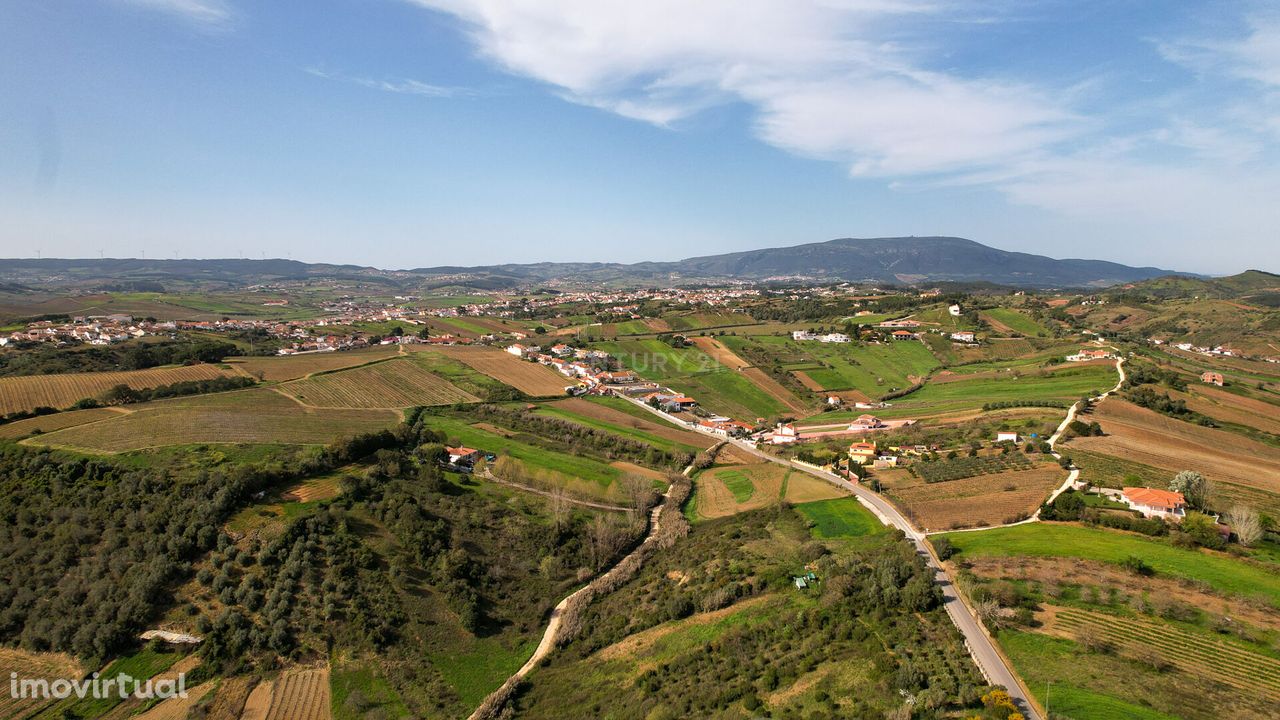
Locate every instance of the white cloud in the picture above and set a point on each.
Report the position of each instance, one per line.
(820, 79)
(209, 14)
(857, 82)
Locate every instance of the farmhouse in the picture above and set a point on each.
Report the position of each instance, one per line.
(463, 456)
(784, 434)
(521, 350)
(1155, 503)
(905, 335)
(803, 335)
(1087, 354)
(862, 453)
(619, 377)
(964, 336)
(1213, 378)
(679, 403)
(866, 422)
(834, 338)
(1012, 437)
(954, 310)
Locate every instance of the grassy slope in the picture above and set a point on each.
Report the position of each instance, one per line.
(1053, 540)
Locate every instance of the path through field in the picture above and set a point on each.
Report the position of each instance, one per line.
(552, 633)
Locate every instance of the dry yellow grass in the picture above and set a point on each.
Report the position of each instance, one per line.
(977, 501)
(803, 487)
(19, 394)
(49, 666)
(301, 694)
(713, 492)
(388, 384)
(527, 377)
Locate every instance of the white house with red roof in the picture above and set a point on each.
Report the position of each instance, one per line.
(1155, 503)
(784, 434)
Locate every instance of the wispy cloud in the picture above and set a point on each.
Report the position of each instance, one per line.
(207, 14)
(820, 75)
(871, 84)
(403, 86)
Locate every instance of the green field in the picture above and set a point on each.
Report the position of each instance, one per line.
(1068, 384)
(627, 432)
(840, 518)
(1219, 571)
(703, 320)
(577, 472)
(871, 369)
(141, 665)
(692, 372)
(1020, 322)
(1057, 670)
(738, 483)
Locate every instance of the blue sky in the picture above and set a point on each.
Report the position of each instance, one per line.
(409, 133)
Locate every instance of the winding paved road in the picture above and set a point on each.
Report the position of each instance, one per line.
(980, 645)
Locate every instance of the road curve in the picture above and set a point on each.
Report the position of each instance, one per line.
(981, 647)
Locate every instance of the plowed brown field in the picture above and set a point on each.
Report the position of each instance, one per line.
(1147, 437)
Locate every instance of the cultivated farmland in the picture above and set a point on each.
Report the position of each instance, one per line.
(32, 665)
(390, 384)
(527, 377)
(1010, 320)
(963, 467)
(56, 421)
(292, 367)
(1194, 653)
(691, 371)
(1144, 436)
(977, 501)
(18, 394)
(604, 413)
(1219, 571)
(722, 354)
(733, 489)
(250, 416)
(300, 694)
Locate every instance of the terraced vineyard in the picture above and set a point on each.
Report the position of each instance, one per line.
(963, 467)
(1224, 661)
(18, 394)
(391, 384)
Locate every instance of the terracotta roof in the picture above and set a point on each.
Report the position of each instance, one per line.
(460, 450)
(1154, 498)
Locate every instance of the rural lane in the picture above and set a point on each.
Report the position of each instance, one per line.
(552, 634)
(980, 645)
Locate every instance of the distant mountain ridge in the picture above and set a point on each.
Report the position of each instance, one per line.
(897, 260)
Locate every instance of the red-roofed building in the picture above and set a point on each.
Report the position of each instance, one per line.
(462, 455)
(1155, 503)
(1213, 378)
(862, 453)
